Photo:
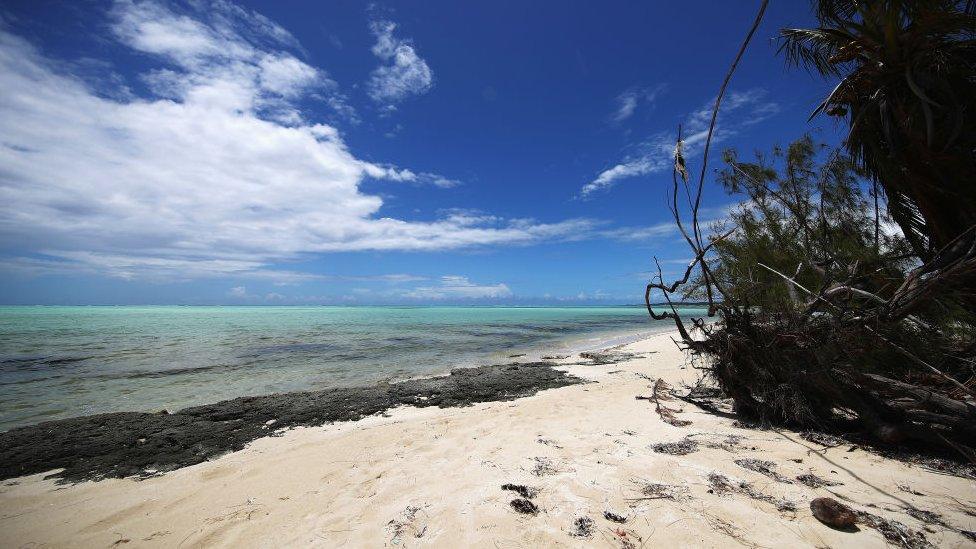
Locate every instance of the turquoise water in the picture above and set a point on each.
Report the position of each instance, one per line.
(60, 362)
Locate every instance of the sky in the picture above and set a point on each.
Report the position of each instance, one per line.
(300, 152)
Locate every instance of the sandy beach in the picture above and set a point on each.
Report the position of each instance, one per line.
(585, 453)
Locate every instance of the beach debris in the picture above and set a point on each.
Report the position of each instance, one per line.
(813, 481)
(516, 355)
(582, 527)
(928, 517)
(823, 439)
(700, 391)
(406, 524)
(729, 443)
(748, 424)
(727, 528)
(543, 466)
(661, 392)
(720, 484)
(833, 513)
(609, 356)
(963, 508)
(682, 447)
(894, 532)
(548, 442)
(628, 539)
(968, 534)
(597, 357)
(931, 463)
(555, 357)
(524, 506)
(940, 465)
(709, 398)
(614, 517)
(908, 490)
(767, 468)
(657, 490)
(522, 490)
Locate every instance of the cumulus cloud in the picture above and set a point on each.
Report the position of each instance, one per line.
(459, 287)
(404, 73)
(216, 172)
(392, 173)
(223, 55)
(739, 109)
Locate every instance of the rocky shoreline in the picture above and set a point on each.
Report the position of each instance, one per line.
(126, 444)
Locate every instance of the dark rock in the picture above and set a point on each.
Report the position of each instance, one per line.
(125, 444)
(833, 513)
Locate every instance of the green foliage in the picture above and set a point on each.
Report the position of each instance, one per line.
(830, 317)
(803, 213)
(906, 72)
(806, 268)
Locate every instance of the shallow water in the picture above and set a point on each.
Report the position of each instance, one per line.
(60, 362)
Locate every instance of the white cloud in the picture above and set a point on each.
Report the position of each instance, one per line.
(225, 56)
(217, 173)
(238, 291)
(656, 159)
(626, 105)
(633, 234)
(405, 72)
(628, 101)
(746, 108)
(392, 173)
(459, 287)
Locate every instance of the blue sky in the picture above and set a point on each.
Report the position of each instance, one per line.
(161, 152)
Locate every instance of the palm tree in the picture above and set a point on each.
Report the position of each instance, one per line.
(907, 90)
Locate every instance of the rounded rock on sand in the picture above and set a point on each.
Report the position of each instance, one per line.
(833, 513)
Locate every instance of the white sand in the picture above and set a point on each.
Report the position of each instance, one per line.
(432, 477)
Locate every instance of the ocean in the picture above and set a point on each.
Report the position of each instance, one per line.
(58, 362)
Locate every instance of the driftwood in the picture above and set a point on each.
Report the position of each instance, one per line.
(660, 393)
